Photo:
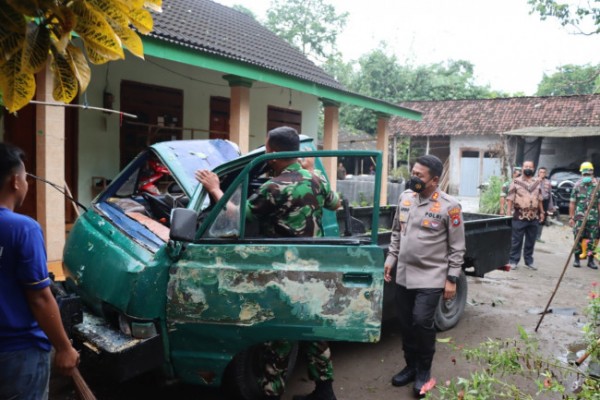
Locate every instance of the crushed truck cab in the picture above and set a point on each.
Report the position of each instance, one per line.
(171, 280)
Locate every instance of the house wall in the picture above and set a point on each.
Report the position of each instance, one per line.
(458, 144)
(99, 132)
(570, 152)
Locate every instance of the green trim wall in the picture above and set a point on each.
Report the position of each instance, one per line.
(157, 48)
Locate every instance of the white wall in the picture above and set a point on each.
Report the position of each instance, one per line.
(479, 143)
(569, 152)
(99, 132)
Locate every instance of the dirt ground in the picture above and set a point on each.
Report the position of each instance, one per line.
(497, 304)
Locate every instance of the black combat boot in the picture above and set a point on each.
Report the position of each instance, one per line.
(591, 263)
(407, 375)
(576, 262)
(423, 375)
(323, 391)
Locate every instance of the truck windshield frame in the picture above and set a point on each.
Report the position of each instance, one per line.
(244, 176)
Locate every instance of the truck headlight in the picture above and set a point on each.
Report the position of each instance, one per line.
(137, 329)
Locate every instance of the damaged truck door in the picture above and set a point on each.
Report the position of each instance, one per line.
(230, 289)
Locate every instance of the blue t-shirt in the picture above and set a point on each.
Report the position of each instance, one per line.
(22, 267)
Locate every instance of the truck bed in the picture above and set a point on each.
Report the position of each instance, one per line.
(488, 236)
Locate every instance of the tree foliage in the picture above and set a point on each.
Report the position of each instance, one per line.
(380, 75)
(570, 80)
(35, 32)
(584, 16)
(310, 25)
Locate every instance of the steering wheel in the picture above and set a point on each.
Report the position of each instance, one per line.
(159, 208)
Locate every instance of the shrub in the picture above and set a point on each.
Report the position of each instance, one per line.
(517, 369)
(489, 200)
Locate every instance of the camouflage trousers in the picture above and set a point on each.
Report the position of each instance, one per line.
(591, 233)
(277, 355)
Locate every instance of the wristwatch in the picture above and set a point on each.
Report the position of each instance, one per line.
(452, 279)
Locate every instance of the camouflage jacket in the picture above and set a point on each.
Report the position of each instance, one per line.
(581, 196)
(291, 204)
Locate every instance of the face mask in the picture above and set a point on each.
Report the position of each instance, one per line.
(528, 172)
(586, 179)
(416, 184)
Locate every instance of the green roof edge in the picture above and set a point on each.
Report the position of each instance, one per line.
(174, 52)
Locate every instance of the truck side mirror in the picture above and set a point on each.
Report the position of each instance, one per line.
(183, 224)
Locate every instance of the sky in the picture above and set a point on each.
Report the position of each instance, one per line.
(510, 49)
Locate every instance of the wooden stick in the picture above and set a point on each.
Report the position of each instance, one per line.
(83, 390)
(577, 239)
(581, 359)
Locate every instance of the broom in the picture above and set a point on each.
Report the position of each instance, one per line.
(83, 390)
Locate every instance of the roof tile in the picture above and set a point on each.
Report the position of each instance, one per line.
(210, 27)
(493, 116)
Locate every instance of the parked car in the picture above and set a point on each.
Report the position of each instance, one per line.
(563, 180)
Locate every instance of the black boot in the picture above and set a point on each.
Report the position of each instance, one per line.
(323, 391)
(423, 375)
(407, 375)
(576, 262)
(591, 263)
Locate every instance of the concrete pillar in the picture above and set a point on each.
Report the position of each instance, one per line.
(50, 164)
(239, 115)
(383, 146)
(331, 129)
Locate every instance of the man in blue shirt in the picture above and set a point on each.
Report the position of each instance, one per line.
(29, 316)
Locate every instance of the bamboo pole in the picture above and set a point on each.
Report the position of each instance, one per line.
(577, 239)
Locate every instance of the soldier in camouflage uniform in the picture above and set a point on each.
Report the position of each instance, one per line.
(581, 197)
(289, 205)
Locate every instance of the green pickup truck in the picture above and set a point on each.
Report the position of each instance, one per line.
(170, 280)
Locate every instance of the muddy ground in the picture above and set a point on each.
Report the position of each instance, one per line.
(497, 304)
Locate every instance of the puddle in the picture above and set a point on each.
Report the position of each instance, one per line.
(569, 311)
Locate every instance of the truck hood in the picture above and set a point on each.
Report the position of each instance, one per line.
(184, 157)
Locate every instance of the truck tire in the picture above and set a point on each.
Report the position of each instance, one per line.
(448, 312)
(243, 374)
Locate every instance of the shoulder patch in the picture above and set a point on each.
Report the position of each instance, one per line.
(454, 214)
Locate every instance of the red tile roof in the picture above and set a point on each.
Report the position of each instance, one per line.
(493, 116)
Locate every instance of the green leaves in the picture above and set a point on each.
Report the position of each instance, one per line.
(583, 16)
(32, 30)
(310, 25)
(570, 80)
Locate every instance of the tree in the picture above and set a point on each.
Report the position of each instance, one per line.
(584, 16)
(35, 32)
(310, 25)
(381, 76)
(570, 80)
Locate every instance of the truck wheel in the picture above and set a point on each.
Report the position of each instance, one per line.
(245, 371)
(448, 312)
